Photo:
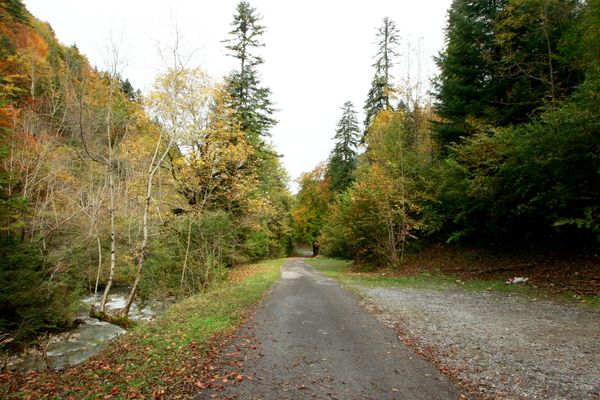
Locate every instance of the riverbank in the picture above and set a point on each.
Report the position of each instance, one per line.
(166, 357)
(89, 337)
(496, 340)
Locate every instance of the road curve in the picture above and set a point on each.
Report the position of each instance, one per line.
(310, 339)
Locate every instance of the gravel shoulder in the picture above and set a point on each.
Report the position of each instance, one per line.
(499, 346)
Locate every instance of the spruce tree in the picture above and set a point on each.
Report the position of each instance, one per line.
(503, 59)
(250, 100)
(342, 160)
(468, 83)
(379, 95)
(536, 63)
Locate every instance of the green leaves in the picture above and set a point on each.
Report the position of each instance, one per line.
(250, 100)
(380, 93)
(310, 209)
(342, 160)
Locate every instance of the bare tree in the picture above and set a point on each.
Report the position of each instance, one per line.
(110, 159)
(163, 102)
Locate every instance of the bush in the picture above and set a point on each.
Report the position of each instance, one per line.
(536, 182)
(32, 300)
(213, 247)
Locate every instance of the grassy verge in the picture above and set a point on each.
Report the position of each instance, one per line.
(169, 357)
(347, 273)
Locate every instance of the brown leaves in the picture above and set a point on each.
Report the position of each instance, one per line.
(114, 391)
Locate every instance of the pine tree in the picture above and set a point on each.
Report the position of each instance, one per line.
(249, 99)
(342, 160)
(379, 95)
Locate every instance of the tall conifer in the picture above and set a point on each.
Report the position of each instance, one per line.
(381, 89)
(342, 160)
(249, 98)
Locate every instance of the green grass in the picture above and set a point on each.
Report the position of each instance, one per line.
(160, 357)
(342, 270)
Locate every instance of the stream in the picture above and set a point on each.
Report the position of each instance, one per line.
(89, 338)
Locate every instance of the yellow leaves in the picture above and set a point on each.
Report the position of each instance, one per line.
(181, 100)
(193, 112)
(310, 209)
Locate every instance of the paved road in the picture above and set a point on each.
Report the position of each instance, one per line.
(311, 340)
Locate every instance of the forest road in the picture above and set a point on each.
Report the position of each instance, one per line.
(310, 339)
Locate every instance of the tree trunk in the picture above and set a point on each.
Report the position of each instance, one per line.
(99, 268)
(316, 247)
(111, 191)
(143, 245)
(111, 275)
(152, 170)
(185, 259)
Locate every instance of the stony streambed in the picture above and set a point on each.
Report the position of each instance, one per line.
(90, 337)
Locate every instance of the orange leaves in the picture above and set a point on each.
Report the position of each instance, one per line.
(37, 44)
(114, 391)
(310, 209)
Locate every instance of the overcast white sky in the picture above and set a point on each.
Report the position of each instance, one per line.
(318, 53)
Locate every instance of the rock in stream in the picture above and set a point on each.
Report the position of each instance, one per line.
(88, 339)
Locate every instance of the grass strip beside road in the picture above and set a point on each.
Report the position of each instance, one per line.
(348, 274)
(168, 357)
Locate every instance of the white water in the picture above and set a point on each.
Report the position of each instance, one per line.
(76, 346)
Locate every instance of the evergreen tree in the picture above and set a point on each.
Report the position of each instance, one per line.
(379, 95)
(466, 84)
(16, 9)
(503, 60)
(249, 99)
(342, 160)
(536, 63)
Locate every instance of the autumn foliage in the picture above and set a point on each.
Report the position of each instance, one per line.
(102, 186)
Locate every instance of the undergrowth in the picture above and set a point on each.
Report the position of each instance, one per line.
(168, 357)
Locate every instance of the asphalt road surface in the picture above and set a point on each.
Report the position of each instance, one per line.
(310, 339)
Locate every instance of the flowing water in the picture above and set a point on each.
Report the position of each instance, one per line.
(88, 339)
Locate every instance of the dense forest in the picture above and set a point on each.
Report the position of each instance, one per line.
(505, 153)
(162, 193)
(101, 186)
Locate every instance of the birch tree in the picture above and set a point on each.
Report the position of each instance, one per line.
(179, 101)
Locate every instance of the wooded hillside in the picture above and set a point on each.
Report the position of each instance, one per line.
(102, 186)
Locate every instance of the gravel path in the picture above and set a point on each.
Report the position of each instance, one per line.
(500, 346)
